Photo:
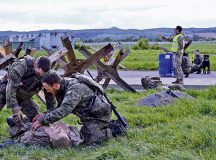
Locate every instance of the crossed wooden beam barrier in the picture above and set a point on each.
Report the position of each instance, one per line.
(120, 57)
(8, 56)
(76, 65)
(6, 49)
(110, 71)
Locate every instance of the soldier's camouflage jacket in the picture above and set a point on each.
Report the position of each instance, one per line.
(82, 97)
(23, 83)
(198, 60)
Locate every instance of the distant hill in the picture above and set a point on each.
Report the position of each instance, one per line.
(115, 33)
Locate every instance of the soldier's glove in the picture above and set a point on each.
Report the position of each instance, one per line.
(17, 116)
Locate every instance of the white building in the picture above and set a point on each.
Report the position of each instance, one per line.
(50, 39)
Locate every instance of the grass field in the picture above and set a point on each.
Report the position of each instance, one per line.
(184, 130)
(148, 59)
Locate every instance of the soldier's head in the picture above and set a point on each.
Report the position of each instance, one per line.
(52, 82)
(178, 29)
(197, 53)
(145, 81)
(42, 65)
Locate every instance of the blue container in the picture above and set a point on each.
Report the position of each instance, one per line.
(166, 68)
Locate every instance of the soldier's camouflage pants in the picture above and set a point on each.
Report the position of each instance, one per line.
(178, 65)
(186, 70)
(28, 106)
(195, 68)
(94, 131)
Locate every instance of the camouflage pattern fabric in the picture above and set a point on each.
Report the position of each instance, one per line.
(2, 93)
(198, 60)
(178, 59)
(195, 68)
(148, 83)
(198, 64)
(17, 131)
(35, 137)
(75, 96)
(46, 135)
(28, 106)
(178, 65)
(15, 74)
(153, 83)
(94, 131)
(186, 65)
(21, 86)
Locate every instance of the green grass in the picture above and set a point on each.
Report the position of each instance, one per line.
(148, 59)
(184, 130)
(142, 59)
(205, 48)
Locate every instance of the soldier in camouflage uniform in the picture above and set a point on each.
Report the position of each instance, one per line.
(155, 83)
(56, 135)
(197, 63)
(186, 65)
(151, 83)
(23, 80)
(83, 97)
(178, 42)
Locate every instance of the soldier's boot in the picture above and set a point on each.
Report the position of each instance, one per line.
(186, 75)
(178, 81)
(117, 128)
(198, 72)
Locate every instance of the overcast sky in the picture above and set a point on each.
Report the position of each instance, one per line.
(26, 15)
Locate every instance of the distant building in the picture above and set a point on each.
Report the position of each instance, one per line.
(50, 39)
(3, 39)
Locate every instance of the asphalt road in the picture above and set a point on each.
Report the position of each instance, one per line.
(134, 78)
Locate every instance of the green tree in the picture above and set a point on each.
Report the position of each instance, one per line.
(143, 43)
(77, 45)
(135, 47)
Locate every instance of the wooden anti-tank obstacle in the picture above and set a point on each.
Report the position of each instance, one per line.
(74, 65)
(110, 71)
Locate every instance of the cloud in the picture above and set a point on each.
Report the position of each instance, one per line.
(82, 14)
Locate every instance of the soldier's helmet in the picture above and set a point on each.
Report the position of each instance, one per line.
(60, 141)
(145, 81)
(59, 137)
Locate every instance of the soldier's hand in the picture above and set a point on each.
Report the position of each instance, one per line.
(37, 117)
(36, 124)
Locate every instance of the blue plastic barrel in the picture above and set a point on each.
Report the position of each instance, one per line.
(166, 68)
